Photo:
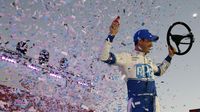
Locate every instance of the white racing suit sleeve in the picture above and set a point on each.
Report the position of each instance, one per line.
(161, 68)
(105, 53)
(109, 57)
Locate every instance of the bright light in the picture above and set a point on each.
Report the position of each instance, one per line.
(194, 15)
(51, 74)
(82, 83)
(8, 59)
(32, 67)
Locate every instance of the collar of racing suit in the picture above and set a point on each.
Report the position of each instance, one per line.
(140, 53)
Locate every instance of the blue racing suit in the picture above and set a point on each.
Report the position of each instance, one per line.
(138, 71)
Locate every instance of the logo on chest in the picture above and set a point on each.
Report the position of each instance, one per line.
(143, 71)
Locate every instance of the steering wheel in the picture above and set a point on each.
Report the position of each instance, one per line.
(176, 38)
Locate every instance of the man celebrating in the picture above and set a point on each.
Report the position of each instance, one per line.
(139, 70)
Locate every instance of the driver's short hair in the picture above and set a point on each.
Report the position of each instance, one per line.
(136, 42)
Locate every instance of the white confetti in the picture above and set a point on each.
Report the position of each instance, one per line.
(194, 15)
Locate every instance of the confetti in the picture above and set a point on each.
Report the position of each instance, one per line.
(75, 30)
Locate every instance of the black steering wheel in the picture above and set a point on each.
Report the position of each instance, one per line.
(177, 38)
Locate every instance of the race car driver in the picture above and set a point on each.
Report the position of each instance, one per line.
(139, 70)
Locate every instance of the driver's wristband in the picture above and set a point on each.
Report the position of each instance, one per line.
(110, 38)
(168, 59)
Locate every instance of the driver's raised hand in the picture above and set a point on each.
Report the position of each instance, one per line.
(114, 27)
(171, 51)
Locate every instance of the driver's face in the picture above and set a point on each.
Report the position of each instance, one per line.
(145, 45)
